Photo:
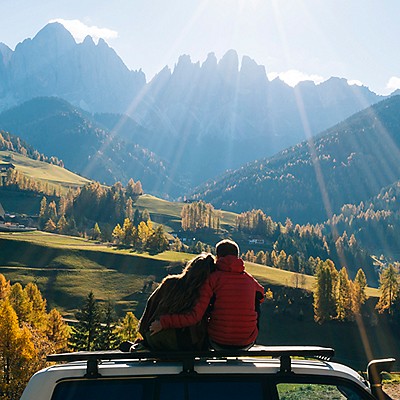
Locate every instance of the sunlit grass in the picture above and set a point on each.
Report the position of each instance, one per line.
(266, 275)
(44, 172)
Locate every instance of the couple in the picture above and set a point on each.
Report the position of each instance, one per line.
(212, 303)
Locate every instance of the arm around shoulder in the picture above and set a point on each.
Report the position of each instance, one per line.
(192, 317)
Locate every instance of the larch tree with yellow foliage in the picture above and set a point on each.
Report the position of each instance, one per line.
(16, 353)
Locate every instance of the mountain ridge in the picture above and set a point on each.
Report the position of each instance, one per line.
(348, 163)
(53, 126)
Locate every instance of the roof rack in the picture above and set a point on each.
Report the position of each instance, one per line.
(188, 358)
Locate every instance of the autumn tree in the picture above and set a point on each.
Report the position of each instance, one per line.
(25, 336)
(16, 353)
(57, 331)
(359, 291)
(38, 316)
(128, 328)
(4, 287)
(50, 226)
(199, 215)
(389, 287)
(96, 232)
(20, 302)
(118, 234)
(324, 295)
(62, 225)
(344, 296)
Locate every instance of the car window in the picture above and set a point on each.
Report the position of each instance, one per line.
(106, 389)
(314, 391)
(212, 390)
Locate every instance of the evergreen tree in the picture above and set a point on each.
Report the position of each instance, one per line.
(86, 332)
(108, 338)
(157, 242)
(177, 245)
(136, 218)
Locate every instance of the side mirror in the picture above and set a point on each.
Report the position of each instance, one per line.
(375, 369)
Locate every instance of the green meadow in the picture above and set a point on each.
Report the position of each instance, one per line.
(44, 172)
(66, 268)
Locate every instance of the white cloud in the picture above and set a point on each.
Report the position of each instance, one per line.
(355, 82)
(293, 77)
(79, 30)
(394, 83)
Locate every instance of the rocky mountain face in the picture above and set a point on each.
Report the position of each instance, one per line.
(347, 164)
(229, 115)
(203, 119)
(53, 64)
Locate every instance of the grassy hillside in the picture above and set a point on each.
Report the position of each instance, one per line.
(169, 213)
(28, 202)
(42, 171)
(67, 268)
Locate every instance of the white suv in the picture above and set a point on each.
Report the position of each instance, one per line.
(286, 373)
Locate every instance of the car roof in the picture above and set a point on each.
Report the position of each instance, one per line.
(270, 360)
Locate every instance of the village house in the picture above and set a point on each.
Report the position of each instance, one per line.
(4, 167)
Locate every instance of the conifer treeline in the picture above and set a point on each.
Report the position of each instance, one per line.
(376, 223)
(301, 243)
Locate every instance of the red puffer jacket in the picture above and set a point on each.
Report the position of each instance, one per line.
(233, 319)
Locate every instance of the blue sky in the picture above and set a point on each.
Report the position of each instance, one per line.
(295, 39)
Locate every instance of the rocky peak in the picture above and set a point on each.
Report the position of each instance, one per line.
(252, 74)
(228, 66)
(5, 53)
(54, 34)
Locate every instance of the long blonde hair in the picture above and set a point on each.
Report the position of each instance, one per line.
(184, 288)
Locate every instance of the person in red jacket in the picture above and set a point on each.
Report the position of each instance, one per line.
(234, 296)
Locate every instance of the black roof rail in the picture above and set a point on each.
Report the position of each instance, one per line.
(285, 353)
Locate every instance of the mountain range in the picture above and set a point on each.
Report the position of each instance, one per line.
(203, 119)
(220, 121)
